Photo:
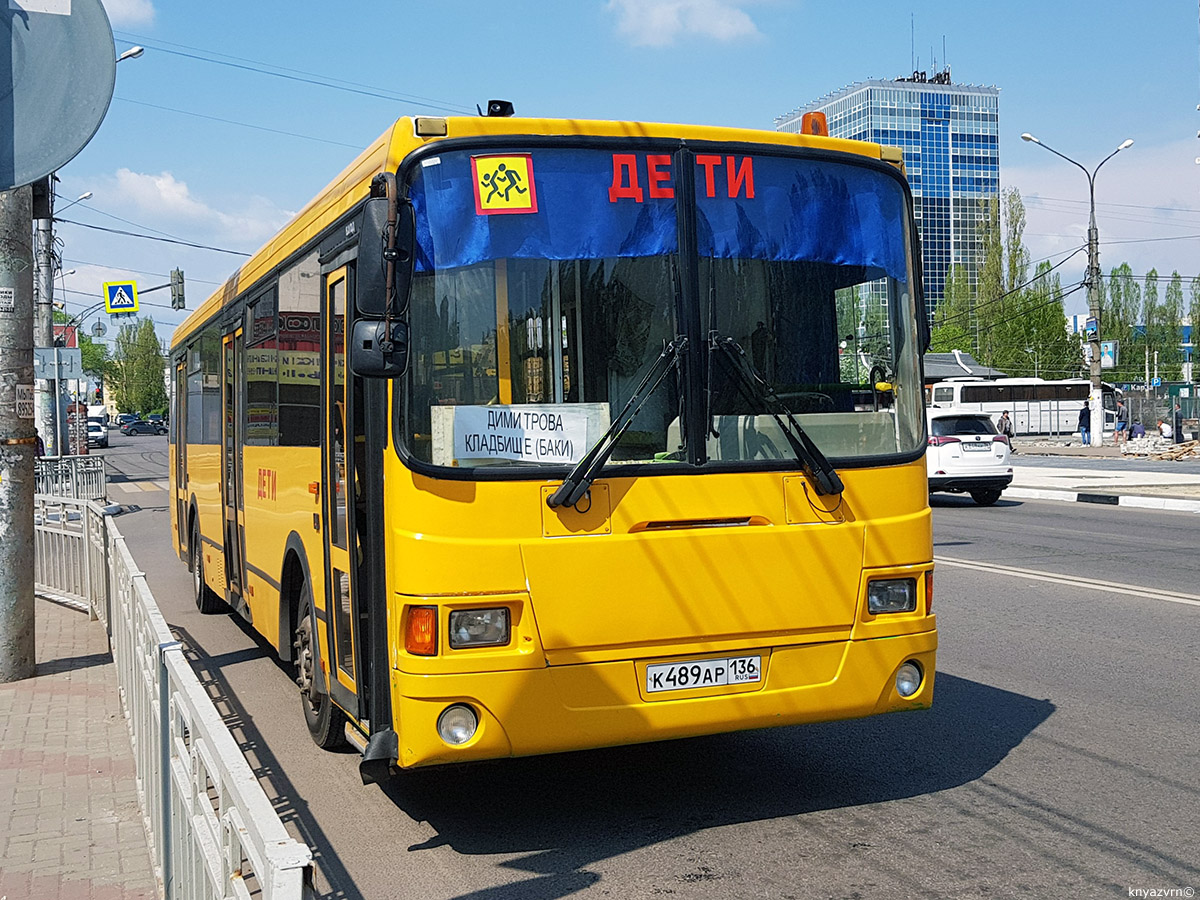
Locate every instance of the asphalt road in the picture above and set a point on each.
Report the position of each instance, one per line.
(1060, 758)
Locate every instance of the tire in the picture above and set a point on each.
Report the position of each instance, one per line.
(326, 723)
(206, 600)
(985, 498)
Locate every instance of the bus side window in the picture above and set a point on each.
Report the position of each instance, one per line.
(943, 395)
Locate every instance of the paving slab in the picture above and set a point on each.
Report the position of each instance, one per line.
(67, 773)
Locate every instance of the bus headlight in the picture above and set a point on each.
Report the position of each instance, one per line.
(891, 595)
(457, 724)
(479, 627)
(908, 679)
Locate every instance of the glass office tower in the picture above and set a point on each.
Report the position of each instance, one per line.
(950, 137)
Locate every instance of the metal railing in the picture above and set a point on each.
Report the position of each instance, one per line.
(70, 560)
(77, 477)
(213, 830)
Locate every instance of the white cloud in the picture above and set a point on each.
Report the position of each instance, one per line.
(169, 202)
(657, 23)
(129, 12)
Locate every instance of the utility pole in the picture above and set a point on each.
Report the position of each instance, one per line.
(17, 439)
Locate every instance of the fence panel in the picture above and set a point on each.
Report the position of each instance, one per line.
(214, 832)
(77, 477)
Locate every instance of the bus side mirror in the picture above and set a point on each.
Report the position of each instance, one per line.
(374, 256)
(376, 354)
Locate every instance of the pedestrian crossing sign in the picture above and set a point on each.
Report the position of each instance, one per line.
(120, 297)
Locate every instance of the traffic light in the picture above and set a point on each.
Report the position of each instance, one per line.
(99, 395)
(177, 301)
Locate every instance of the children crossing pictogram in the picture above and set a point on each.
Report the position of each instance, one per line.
(504, 184)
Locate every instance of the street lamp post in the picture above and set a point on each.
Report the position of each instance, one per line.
(1092, 281)
(1033, 351)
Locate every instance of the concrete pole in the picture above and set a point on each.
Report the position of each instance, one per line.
(17, 651)
(43, 334)
(1093, 291)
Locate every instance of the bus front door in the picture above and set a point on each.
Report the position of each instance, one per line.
(231, 469)
(179, 434)
(339, 475)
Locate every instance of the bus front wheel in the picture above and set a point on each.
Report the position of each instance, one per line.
(325, 721)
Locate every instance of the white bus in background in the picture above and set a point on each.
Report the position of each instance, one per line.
(1036, 406)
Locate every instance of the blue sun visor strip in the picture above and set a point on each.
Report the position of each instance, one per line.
(594, 204)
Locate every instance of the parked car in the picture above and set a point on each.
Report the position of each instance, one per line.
(126, 418)
(966, 455)
(140, 426)
(97, 434)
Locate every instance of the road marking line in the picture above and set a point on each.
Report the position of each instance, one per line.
(1111, 587)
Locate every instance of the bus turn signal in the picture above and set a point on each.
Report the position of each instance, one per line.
(420, 632)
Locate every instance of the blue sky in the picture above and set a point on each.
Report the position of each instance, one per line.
(1081, 76)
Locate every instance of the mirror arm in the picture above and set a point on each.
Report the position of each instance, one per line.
(389, 256)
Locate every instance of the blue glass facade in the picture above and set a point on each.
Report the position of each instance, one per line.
(950, 137)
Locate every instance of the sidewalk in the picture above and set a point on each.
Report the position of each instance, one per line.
(74, 828)
(1109, 481)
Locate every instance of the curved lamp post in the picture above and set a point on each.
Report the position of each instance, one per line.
(1092, 281)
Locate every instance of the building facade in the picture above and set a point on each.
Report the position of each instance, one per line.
(950, 137)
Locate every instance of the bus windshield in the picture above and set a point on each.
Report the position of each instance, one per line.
(550, 279)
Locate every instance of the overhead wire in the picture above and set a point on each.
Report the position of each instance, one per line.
(109, 215)
(81, 262)
(153, 237)
(185, 112)
(299, 75)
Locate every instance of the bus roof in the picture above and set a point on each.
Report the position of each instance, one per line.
(385, 154)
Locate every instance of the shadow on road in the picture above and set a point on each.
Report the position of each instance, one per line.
(288, 802)
(960, 501)
(568, 811)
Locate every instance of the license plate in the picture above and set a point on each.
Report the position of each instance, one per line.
(978, 446)
(701, 673)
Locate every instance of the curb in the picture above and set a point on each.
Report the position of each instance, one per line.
(1160, 503)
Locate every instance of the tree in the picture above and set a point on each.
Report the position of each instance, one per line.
(951, 326)
(1016, 257)
(991, 280)
(137, 369)
(1164, 329)
(1032, 337)
(1119, 314)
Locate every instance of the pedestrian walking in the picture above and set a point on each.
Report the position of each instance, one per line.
(1122, 425)
(39, 446)
(1004, 424)
(1085, 426)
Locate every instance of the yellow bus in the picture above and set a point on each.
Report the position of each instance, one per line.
(536, 435)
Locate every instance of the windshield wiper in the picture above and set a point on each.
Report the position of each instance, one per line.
(576, 484)
(754, 387)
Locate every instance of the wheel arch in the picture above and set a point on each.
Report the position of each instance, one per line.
(294, 574)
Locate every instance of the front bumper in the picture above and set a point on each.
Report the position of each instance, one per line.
(574, 707)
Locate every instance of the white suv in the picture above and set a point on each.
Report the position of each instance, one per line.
(967, 455)
(97, 433)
